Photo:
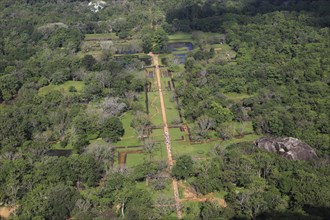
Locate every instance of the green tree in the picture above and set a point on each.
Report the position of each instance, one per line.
(219, 113)
(9, 86)
(210, 211)
(155, 41)
(49, 202)
(112, 129)
(140, 123)
(89, 62)
(160, 40)
(147, 43)
(103, 154)
(183, 167)
(149, 148)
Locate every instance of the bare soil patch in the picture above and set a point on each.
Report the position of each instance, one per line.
(6, 211)
(189, 195)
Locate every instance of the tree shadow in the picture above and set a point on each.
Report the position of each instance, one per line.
(199, 16)
(312, 213)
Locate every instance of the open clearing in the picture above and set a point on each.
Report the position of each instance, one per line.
(63, 88)
(180, 37)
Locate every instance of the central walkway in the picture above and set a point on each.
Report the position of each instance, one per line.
(167, 136)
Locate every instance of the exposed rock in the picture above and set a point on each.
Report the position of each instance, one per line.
(288, 147)
(96, 6)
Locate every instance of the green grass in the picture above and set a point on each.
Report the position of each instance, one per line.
(111, 36)
(246, 138)
(130, 137)
(245, 127)
(91, 44)
(161, 153)
(180, 37)
(176, 134)
(193, 208)
(2, 75)
(221, 194)
(64, 88)
(219, 46)
(184, 148)
(237, 97)
(182, 51)
(201, 150)
(140, 75)
(135, 159)
(131, 160)
(98, 140)
(155, 116)
(157, 135)
(167, 192)
(172, 113)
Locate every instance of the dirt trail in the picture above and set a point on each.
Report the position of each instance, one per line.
(191, 196)
(152, 104)
(167, 135)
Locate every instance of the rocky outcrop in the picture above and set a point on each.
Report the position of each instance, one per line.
(291, 148)
(96, 6)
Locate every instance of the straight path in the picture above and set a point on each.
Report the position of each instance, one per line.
(167, 136)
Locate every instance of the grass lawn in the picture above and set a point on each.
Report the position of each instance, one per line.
(176, 134)
(111, 36)
(246, 138)
(164, 83)
(98, 140)
(216, 47)
(201, 150)
(221, 194)
(180, 37)
(161, 153)
(140, 75)
(157, 135)
(172, 113)
(185, 148)
(167, 192)
(134, 159)
(237, 97)
(130, 137)
(64, 88)
(193, 207)
(245, 127)
(154, 108)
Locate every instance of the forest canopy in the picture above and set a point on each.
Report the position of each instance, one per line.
(80, 112)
